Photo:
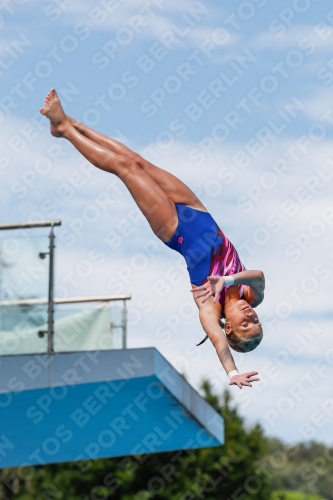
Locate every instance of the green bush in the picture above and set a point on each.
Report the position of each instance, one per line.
(293, 495)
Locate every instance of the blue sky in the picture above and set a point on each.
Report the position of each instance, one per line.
(235, 99)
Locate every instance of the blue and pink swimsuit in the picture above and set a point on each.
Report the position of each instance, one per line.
(206, 249)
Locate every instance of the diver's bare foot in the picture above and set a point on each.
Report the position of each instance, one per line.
(53, 110)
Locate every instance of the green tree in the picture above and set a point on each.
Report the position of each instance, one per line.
(294, 495)
(306, 468)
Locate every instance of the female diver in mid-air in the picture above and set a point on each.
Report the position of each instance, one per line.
(221, 286)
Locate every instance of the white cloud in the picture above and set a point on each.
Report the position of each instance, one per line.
(318, 104)
(132, 22)
(291, 39)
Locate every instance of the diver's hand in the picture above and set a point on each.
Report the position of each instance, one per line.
(213, 286)
(244, 379)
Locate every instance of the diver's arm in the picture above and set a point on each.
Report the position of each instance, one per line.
(214, 331)
(250, 278)
(215, 334)
(255, 280)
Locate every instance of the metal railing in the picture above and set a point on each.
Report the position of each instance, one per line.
(51, 301)
(42, 255)
(27, 225)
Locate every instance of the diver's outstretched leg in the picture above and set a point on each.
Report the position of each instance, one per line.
(174, 188)
(155, 205)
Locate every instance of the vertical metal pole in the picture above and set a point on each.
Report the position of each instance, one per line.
(124, 325)
(50, 301)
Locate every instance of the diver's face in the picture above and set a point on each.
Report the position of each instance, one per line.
(244, 320)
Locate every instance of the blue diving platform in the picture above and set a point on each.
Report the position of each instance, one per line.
(84, 405)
